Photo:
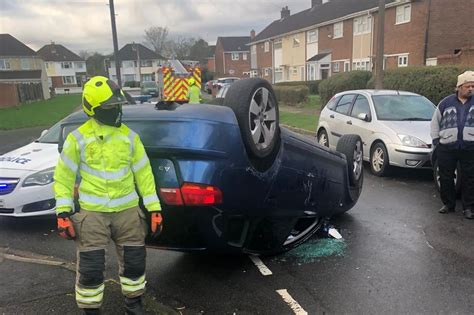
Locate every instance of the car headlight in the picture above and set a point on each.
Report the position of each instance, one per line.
(41, 178)
(411, 141)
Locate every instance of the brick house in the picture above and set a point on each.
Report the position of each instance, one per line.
(22, 73)
(232, 56)
(138, 64)
(66, 71)
(341, 35)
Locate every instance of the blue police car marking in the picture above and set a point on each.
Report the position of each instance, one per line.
(13, 159)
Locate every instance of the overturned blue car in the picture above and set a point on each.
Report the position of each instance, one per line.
(230, 179)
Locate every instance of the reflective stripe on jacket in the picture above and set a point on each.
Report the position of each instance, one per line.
(110, 161)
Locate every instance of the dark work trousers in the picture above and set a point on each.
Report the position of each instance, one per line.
(447, 161)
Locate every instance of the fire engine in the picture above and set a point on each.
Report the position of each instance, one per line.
(173, 81)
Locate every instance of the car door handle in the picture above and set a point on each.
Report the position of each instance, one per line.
(331, 116)
(349, 122)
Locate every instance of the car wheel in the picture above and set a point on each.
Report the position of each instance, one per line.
(352, 147)
(457, 177)
(256, 108)
(379, 163)
(323, 138)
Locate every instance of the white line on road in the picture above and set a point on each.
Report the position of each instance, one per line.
(260, 265)
(297, 309)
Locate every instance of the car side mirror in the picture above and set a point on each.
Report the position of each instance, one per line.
(43, 132)
(363, 116)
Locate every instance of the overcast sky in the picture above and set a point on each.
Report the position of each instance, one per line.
(85, 24)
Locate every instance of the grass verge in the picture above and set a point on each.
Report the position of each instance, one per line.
(40, 113)
(299, 120)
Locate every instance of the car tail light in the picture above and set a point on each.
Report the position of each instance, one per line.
(171, 196)
(191, 194)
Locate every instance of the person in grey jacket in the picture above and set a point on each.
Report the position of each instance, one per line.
(452, 131)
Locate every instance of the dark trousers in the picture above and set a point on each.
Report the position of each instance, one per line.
(447, 161)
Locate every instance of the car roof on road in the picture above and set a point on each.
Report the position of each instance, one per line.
(145, 112)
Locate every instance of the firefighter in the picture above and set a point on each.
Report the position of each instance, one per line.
(194, 93)
(111, 161)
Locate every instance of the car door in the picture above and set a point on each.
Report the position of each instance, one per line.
(338, 119)
(356, 125)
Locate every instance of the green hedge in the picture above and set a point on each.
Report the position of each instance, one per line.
(435, 83)
(292, 95)
(312, 85)
(342, 82)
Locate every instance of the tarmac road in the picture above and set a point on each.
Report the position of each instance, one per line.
(398, 255)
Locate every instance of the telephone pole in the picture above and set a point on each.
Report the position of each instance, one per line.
(114, 37)
(380, 46)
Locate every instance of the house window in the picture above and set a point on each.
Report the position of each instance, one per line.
(335, 67)
(361, 65)
(253, 73)
(267, 71)
(244, 56)
(294, 70)
(128, 64)
(296, 42)
(69, 79)
(66, 65)
(235, 56)
(129, 77)
(278, 74)
(312, 36)
(362, 25)
(146, 63)
(147, 77)
(277, 44)
(4, 64)
(403, 61)
(403, 14)
(338, 30)
(266, 47)
(25, 64)
(347, 66)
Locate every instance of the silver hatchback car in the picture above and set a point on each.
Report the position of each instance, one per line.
(394, 126)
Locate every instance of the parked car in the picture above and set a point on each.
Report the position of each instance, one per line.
(394, 126)
(231, 180)
(220, 82)
(149, 88)
(208, 86)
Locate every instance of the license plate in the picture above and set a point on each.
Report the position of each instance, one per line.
(2, 203)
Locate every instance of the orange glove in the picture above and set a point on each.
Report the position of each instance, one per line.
(156, 224)
(65, 228)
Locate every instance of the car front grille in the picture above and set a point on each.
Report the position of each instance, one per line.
(7, 185)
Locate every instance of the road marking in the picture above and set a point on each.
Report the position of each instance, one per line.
(260, 265)
(297, 309)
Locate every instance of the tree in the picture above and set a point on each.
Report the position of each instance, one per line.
(199, 51)
(84, 54)
(96, 64)
(181, 47)
(155, 38)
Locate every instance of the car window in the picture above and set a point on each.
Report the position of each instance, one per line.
(332, 103)
(344, 103)
(52, 135)
(361, 106)
(403, 107)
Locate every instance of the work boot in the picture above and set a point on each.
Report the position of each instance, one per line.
(468, 214)
(91, 311)
(133, 306)
(445, 209)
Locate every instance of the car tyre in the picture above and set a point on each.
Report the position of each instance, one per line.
(256, 108)
(352, 147)
(323, 137)
(379, 160)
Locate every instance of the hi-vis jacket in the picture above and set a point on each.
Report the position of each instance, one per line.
(110, 162)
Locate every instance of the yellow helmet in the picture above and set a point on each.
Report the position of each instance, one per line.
(100, 91)
(191, 81)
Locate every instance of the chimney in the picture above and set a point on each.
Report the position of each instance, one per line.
(252, 34)
(285, 12)
(316, 2)
(53, 48)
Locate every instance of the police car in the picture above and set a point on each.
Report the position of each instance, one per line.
(26, 177)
